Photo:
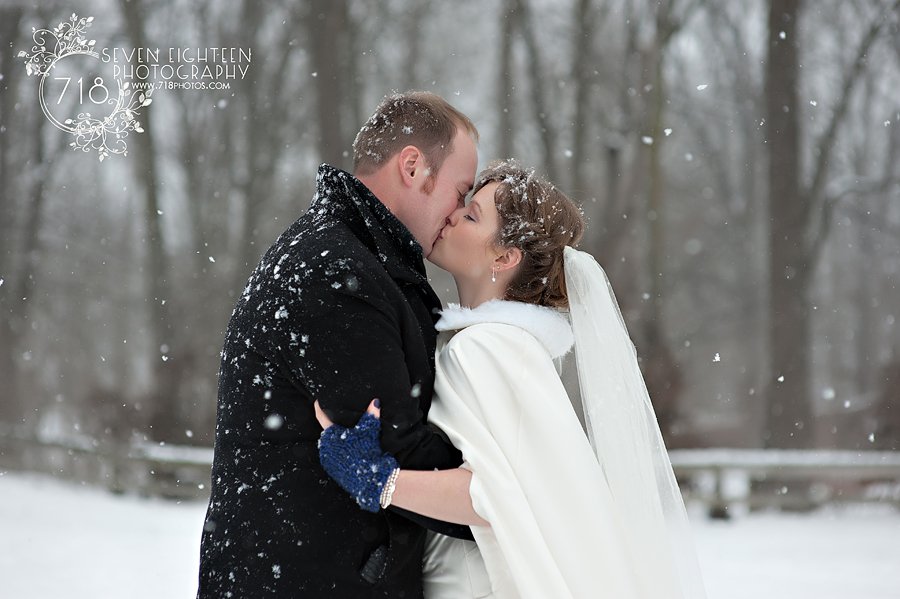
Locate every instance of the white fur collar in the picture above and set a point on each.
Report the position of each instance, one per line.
(549, 326)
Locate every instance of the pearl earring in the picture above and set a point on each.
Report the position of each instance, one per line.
(493, 276)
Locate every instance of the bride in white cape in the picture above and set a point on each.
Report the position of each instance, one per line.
(568, 494)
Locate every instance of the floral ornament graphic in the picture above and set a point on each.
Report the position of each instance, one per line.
(105, 134)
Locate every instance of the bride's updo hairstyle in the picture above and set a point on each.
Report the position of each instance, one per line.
(541, 221)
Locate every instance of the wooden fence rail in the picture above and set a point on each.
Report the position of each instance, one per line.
(722, 480)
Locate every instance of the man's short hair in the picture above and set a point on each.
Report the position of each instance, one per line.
(415, 118)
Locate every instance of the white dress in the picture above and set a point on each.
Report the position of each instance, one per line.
(498, 396)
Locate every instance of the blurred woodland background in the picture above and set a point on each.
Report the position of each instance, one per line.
(738, 161)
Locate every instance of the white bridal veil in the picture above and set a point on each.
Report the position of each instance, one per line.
(622, 428)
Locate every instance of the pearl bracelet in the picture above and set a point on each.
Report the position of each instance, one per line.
(387, 493)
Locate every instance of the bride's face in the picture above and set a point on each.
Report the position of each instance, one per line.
(466, 246)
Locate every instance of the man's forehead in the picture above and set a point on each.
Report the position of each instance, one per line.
(465, 147)
(463, 160)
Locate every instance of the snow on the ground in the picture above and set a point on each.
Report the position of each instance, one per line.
(60, 540)
(836, 553)
(63, 541)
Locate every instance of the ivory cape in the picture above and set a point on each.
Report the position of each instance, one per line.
(498, 396)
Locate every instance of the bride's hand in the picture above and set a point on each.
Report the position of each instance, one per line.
(353, 458)
(325, 422)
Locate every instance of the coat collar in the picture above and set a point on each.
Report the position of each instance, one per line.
(341, 195)
(549, 326)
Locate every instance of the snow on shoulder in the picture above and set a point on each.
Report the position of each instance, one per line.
(547, 325)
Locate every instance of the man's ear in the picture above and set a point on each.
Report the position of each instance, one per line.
(411, 165)
(508, 259)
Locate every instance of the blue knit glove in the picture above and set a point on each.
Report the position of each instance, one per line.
(353, 458)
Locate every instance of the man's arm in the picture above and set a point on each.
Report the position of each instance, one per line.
(342, 339)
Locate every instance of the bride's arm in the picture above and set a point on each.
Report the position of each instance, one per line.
(440, 494)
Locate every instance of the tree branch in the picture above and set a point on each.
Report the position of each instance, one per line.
(538, 99)
(830, 204)
(814, 195)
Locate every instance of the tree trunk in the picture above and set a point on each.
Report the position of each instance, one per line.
(413, 20)
(11, 305)
(865, 296)
(538, 75)
(164, 402)
(788, 415)
(326, 25)
(583, 63)
(660, 370)
(505, 86)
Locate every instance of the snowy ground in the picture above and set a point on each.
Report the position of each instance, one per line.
(59, 540)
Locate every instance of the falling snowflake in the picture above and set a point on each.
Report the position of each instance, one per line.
(273, 422)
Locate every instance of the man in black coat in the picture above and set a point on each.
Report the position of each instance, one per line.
(338, 310)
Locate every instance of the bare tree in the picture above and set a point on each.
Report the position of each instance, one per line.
(662, 374)
(586, 17)
(538, 84)
(11, 303)
(800, 218)
(328, 30)
(164, 403)
(505, 76)
(20, 249)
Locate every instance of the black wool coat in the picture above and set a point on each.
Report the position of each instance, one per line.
(339, 310)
